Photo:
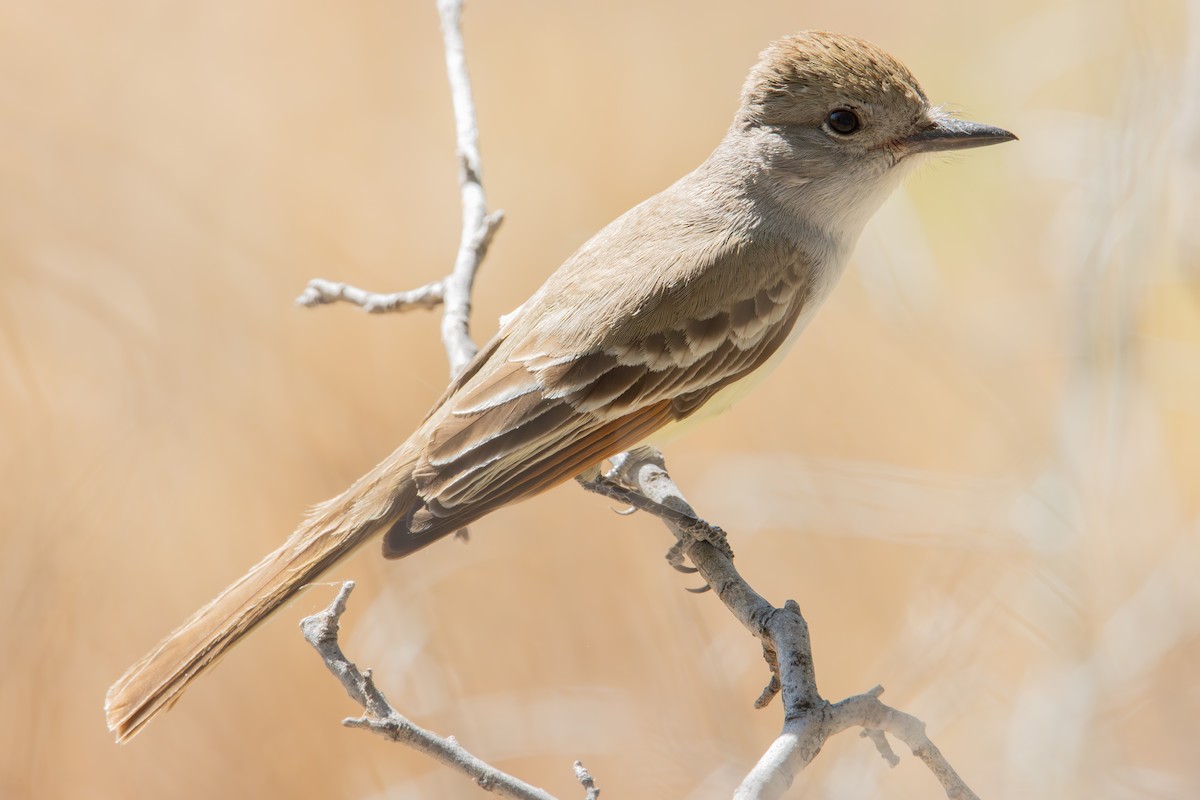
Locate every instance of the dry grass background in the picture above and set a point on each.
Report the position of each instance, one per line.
(977, 473)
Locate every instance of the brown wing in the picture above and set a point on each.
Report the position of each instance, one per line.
(542, 417)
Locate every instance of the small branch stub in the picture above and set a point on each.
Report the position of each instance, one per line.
(320, 292)
(585, 779)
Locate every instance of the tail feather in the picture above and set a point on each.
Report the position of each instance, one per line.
(332, 531)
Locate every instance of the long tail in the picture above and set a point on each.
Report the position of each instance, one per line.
(333, 530)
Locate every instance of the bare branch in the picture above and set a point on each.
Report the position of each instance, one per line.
(321, 631)
(866, 711)
(453, 292)
(809, 719)
(478, 226)
(320, 291)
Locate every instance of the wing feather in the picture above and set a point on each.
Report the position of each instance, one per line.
(543, 404)
(437, 517)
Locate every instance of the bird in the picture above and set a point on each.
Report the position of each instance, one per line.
(664, 316)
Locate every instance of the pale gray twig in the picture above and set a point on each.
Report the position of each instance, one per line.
(587, 781)
(321, 631)
(809, 719)
(453, 292)
(478, 226)
(320, 291)
(880, 740)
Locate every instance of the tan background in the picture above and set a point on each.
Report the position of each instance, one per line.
(977, 473)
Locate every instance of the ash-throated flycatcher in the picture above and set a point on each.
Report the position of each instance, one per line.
(655, 317)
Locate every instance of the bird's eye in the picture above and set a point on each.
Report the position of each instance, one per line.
(843, 121)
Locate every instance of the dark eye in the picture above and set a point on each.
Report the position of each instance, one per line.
(843, 121)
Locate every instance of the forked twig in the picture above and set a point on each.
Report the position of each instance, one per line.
(452, 292)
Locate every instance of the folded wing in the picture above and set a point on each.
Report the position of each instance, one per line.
(544, 413)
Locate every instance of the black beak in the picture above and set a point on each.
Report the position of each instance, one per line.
(946, 133)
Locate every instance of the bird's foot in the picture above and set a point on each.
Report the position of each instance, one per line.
(688, 528)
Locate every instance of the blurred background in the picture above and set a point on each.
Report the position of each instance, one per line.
(976, 473)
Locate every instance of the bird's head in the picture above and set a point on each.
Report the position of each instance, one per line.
(840, 116)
